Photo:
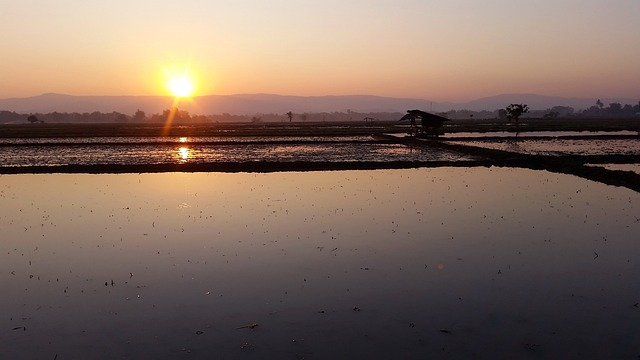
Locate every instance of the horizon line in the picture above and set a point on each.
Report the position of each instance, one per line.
(332, 95)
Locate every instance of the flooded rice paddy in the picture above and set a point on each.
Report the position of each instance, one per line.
(452, 263)
(545, 134)
(623, 167)
(551, 146)
(124, 151)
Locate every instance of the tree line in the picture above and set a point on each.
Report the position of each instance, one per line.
(598, 110)
(182, 116)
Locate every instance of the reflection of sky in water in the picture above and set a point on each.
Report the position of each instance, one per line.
(561, 146)
(623, 167)
(350, 264)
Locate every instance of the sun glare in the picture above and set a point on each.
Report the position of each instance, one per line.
(180, 86)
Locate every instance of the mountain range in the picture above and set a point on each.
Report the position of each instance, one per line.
(250, 104)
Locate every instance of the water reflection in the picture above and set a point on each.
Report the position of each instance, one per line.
(561, 146)
(241, 152)
(483, 263)
(454, 135)
(184, 154)
(623, 167)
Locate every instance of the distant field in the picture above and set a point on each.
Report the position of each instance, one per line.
(305, 129)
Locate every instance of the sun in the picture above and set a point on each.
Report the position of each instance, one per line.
(180, 86)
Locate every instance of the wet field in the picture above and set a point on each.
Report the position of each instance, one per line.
(417, 263)
(51, 152)
(304, 246)
(559, 147)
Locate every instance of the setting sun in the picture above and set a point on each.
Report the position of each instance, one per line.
(180, 86)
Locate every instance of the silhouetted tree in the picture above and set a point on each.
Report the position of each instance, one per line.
(599, 104)
(514, 111)
(121, 118)
(290, 115)
(139, 116)
(32, 119)
(563, 110)
(615, 108)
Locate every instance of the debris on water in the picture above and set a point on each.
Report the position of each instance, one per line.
(247, 346)
(250, 326)
(355, 308)
(532, 347)
(199, 332)
(445, 331)
(596, 255)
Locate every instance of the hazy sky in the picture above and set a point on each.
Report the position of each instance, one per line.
(440, 50)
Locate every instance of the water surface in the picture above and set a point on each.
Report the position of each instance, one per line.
(423, 263)
(507, 134)
(561, 146)
(195, 152)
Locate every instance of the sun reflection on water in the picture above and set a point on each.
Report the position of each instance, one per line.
(184, 154)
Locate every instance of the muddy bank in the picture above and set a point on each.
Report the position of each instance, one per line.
(249, 166)
(327, 128)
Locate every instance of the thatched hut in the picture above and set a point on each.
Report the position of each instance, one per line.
(431, 124)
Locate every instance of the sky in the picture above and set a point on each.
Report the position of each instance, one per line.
(440, 50)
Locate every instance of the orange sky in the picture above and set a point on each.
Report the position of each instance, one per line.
(449, 50)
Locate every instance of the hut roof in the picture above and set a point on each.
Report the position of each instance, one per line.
(413, 114)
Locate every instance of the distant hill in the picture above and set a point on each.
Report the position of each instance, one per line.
(249, 104)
